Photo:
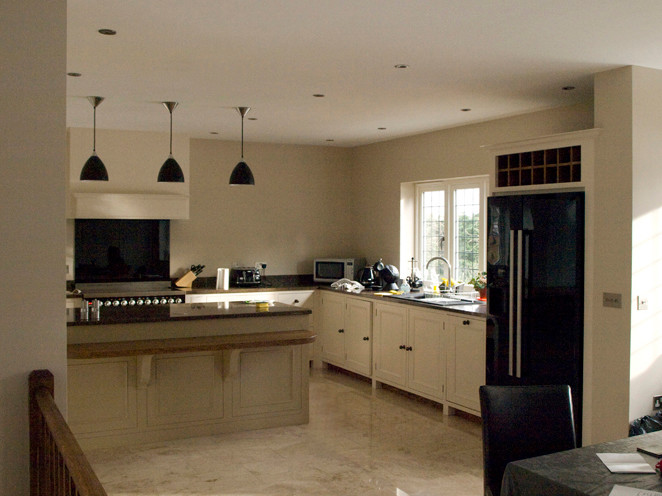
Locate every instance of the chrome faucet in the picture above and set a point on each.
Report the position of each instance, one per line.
(450, 271)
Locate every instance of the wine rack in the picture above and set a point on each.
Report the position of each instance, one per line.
(550, 166)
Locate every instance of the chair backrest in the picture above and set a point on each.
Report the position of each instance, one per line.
(522, 422)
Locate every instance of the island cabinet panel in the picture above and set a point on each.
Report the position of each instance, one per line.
(102, 395)
(466, 362)
(185, 388)
(267, 380)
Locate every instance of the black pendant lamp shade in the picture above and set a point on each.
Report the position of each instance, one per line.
(241, 174)
(170, 171)
(94, 170)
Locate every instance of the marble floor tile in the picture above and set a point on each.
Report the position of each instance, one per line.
(359, 442)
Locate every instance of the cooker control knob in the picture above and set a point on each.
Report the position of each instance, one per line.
(148, 301)
(132, 302)
(139, 301)
(106, 303)
(164, 301)
(123, 302)
(178, 300)
(171, 300)
(155, 301)
(116, 303)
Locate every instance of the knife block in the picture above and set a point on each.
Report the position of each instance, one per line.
(186, 280)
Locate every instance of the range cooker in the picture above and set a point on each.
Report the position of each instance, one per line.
(130, 295)
(107, 300)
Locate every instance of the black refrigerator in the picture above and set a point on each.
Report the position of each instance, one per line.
(535, 292)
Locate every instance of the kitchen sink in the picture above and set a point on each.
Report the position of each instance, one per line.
(434, 299)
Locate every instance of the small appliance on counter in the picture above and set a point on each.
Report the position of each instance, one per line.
(389, 274)
(368, 278)
(245, 277)
(333, 269)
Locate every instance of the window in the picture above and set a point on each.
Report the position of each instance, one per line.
(450, 224)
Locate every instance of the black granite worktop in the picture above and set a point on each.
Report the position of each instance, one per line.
(182, 312)
(476, 310)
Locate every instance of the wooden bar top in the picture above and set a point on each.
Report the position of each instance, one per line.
(188, 344)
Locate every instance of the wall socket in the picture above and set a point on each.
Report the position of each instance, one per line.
(613, 300)
(657, 402)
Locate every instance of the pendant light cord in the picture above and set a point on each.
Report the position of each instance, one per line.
(170, 132)
(242, 137)
(94, 131)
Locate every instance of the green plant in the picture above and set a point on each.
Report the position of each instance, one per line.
(479, 281)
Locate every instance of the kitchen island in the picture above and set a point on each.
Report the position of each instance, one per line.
(147, 374)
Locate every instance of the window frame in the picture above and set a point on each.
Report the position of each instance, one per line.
(450, 186)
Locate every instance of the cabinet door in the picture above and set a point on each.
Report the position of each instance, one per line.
(425, 367)
(358, 332)
(390, 340)
(466, 361)
(333, 328)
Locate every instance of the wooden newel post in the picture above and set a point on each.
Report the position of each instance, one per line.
(38, 379)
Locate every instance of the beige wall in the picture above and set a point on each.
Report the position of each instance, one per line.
(612, 263)
(297, 210)
(32, 188)
(646, 338)
(379, 169)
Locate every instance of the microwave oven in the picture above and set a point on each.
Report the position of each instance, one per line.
(332, 269)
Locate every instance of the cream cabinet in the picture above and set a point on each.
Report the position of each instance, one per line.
(466, 362)
(408, 348)
(346, 331)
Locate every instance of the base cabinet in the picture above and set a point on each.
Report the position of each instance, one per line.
(409, 349)
(466, 362)
(346, 332)
(151, 398)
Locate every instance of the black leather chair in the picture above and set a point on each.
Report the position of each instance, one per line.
(522, 422)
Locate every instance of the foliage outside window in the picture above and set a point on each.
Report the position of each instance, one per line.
(450, 220)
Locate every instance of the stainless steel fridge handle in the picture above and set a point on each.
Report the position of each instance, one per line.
(520, 277)
(511, 284)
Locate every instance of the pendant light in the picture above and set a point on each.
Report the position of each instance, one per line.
(170, 171)
(241, 174)
(94, 170)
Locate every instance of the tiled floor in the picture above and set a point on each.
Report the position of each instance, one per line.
(356, 444)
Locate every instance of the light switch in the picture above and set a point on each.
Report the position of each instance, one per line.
(612, 300)
(642, 303)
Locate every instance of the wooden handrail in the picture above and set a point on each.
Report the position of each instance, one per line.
(58, 466)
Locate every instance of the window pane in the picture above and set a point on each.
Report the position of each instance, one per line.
(433, 216)
(467, 233)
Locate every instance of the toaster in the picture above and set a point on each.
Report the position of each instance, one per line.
(245, 276)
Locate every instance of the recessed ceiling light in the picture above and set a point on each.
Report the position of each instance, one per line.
(318, 95)
(381, 128)
(568, 88)
(74, 74)
(401, 66)
(213, 132)
(466, 110)
(108, 32)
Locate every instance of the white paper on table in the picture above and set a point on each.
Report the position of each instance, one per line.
(626, 463)
(632, 491)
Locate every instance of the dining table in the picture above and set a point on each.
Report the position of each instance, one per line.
(580, 472)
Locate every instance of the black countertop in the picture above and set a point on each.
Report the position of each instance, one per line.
(182, 312)
(475, 310)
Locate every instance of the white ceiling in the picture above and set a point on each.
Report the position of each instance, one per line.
(496, 57)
